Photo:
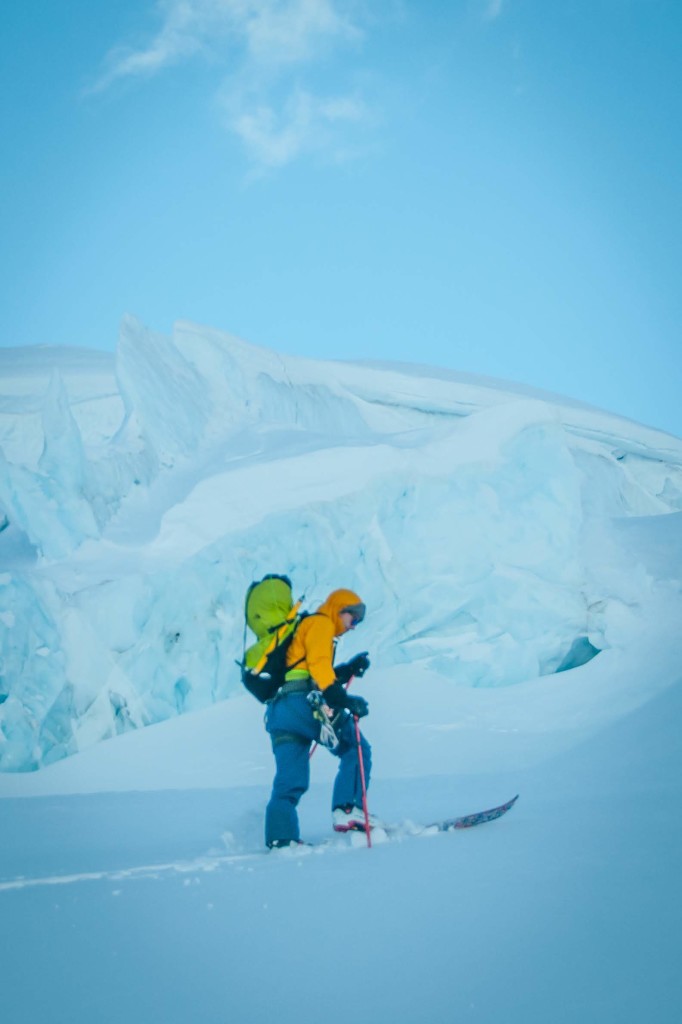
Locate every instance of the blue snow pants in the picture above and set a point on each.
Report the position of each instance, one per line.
(292, 728)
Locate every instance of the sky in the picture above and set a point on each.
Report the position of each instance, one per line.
(491, 186)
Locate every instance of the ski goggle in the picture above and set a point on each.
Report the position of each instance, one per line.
(356, 612)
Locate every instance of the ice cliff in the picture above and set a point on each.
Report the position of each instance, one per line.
(139, 495)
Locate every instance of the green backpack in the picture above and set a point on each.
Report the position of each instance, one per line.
(272, 615)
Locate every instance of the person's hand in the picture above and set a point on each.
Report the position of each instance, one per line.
(357, 666)
(336, 698)
(357, 706)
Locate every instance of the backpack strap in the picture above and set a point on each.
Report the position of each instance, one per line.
(291, 674)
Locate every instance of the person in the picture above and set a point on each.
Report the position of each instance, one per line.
(313, 705)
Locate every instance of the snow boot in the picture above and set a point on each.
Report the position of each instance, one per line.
(352, 819)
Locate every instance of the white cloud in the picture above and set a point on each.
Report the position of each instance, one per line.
(267, 41)
(289, 32)
(493, 9)
(274, 138)
(178, 38)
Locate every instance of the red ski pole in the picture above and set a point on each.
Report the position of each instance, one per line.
(362, 781)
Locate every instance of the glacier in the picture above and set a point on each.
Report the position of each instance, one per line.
(141, 492)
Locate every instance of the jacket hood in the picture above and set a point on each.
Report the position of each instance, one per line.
(334, 605)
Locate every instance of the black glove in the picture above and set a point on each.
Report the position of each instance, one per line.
(357, 706)
(337, 699)
(357, 666)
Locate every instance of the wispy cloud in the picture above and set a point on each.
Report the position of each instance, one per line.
(303, 124)
(492, 9)
(291, 31)
(268, 44)
(177, 39)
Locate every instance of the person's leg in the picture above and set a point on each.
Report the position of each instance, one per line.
(292, 728)
(292, 779)
(347, 789)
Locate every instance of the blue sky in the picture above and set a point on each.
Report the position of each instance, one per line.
(488, 185)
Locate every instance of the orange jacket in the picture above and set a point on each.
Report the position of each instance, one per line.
(311, 652)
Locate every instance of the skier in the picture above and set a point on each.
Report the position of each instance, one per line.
(314, 706)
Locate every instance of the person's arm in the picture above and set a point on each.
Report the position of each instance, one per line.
(319, 651)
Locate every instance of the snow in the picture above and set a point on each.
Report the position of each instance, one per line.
(521, 559)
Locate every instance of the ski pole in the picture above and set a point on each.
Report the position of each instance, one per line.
(316, 744)
(362, 781)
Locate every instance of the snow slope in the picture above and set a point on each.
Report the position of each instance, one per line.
(521, 557)
(156, 905)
